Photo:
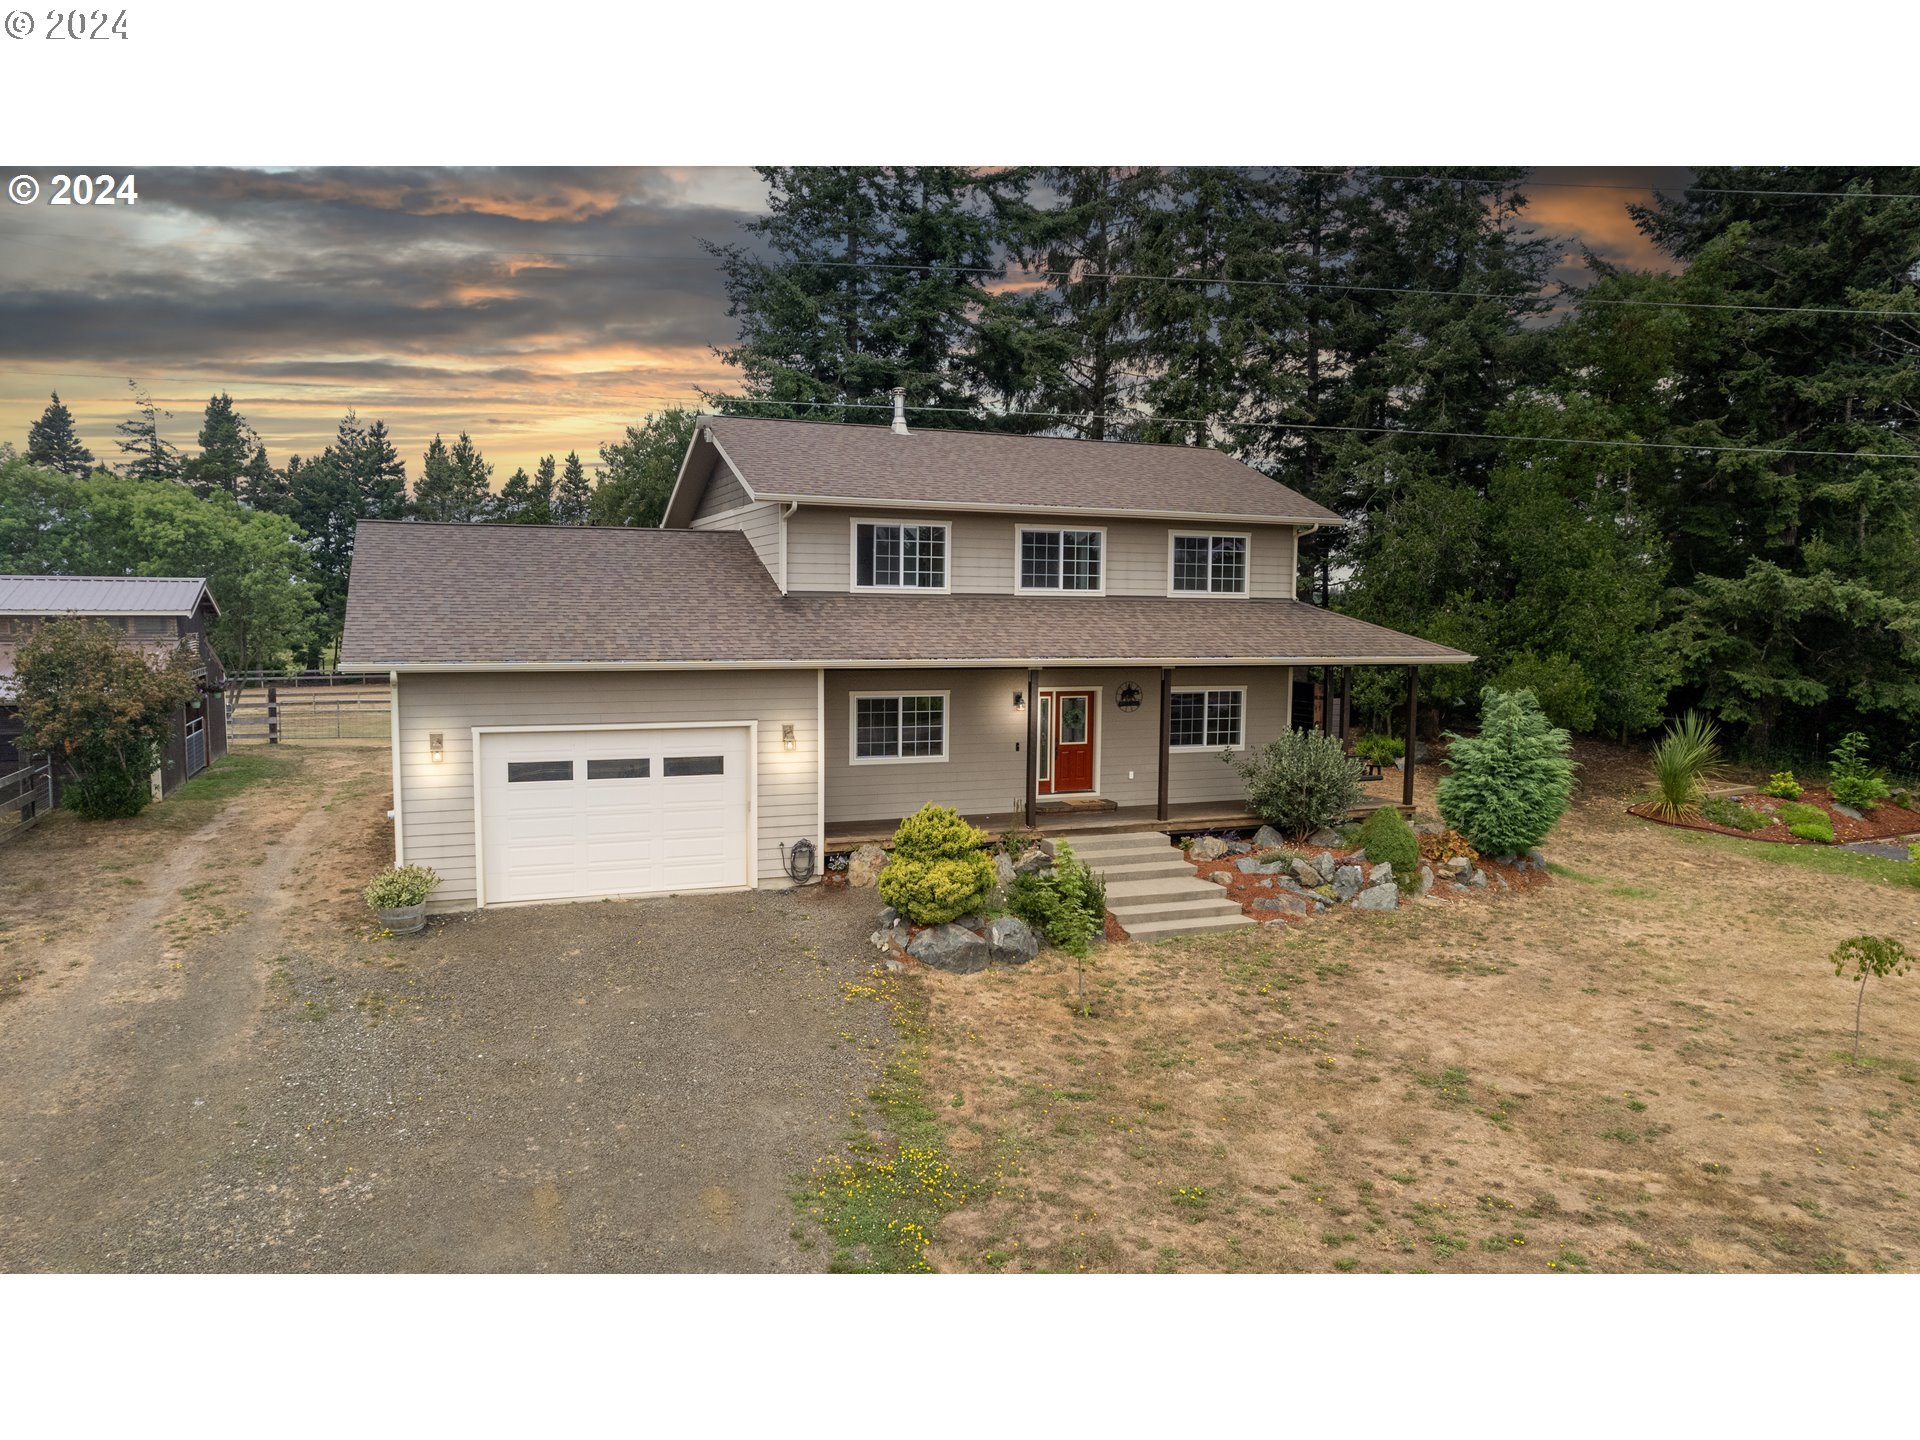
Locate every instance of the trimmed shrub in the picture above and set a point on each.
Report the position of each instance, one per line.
(396, 889)
(1509, 784)
(1852, 781)
(1807, 822)
(1067, 905)
(1684, 757)
(1300, 781)
(1782, 786)
(1386, 836)
(1720, 810)
(939, 870)
(1382, 750)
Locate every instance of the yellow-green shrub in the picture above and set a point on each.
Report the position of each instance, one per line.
(938, 871)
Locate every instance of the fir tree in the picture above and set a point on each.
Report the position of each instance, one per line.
(540, 495)
(150, 456)
(53, 443)
(573, 501)
(261, 486)
(514, 503)
(639, 471)
(441, 492)
(226, 441)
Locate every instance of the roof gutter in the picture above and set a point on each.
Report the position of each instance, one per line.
(1197, 517)
(1005, 662)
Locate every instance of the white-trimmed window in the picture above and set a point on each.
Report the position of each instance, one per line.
(898, 728)
(1209, 564)
(889, 556)
(1063, 560)
(1208, 719)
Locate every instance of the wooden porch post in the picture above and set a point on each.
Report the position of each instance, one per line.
(1413, 716)
(1166, 735)
(1033, 747)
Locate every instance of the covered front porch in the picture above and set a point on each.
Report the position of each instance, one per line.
(1058, 750)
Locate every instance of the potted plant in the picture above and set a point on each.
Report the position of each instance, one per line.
(399, 897)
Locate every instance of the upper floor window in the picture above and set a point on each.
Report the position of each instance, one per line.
(1062, 559)
(899, 557)
(1209, 564)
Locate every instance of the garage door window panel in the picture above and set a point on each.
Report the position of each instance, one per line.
(536, 772)
(618, 769)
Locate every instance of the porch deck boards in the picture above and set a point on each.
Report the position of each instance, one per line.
(1203, 816)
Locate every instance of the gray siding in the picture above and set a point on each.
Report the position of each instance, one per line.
(724, 492)
(436, 801)
(985, 771)
(759, 523)
(981, 554)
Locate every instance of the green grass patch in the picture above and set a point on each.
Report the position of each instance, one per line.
(202, 797)
(880, 1201)
(1625, 892)
(1850, 864)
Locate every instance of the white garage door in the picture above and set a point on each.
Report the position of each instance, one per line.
(571, 813)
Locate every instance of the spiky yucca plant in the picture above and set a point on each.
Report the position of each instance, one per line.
(1686, 756)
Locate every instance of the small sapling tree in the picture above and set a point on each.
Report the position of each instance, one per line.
(1863, 957)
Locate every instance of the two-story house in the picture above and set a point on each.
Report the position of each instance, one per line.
(834, 625)
(149, 613)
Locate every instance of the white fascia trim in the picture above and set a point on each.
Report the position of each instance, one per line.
(1183, 516)
(1006, 662)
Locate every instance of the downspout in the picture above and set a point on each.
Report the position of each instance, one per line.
(1297, 533)
(393, 709)
(786, 515)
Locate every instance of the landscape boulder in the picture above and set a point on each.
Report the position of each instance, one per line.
(1032, 861)
(1287, 904)
(1207, 847)
(1326, 839)
(1220, 877)
(1307, 873)
(1251, 865)
(1002, 869)
(1347, 880)
(1268, 838)
(865, 864)
(1459, 864)
(1382, 871)
(1426, 879)
(950, 948)
(1011, 941)
(1379, 897)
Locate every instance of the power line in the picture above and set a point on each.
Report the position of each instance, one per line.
(1669, 445)
(1580, 295)
(1532, 184)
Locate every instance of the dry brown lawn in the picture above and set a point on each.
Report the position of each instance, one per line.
(1642, 1066)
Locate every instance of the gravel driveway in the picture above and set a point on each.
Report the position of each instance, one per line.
(270, 1086)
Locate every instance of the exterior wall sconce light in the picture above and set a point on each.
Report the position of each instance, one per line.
(1019, 701)
(437, 747)
(786, 736)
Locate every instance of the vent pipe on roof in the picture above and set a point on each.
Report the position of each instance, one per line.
(899, 409)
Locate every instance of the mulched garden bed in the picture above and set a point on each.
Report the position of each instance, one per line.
(1245, 889)
(1883, 822)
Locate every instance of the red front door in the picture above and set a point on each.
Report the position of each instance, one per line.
(1072, 767)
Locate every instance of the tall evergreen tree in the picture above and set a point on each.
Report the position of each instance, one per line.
(53, 442)
(1085, 232)
(573, 501)
(540, 501)
(150, 455)
(514, 504)
(261, 486)
(447, 490)
(358, 477)
(226, 444)
(873, 278)
(1797, 575)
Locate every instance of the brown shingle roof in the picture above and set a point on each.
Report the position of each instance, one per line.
(814, 460)
(496, 595)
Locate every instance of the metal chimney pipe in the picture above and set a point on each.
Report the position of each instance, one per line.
(899, 409)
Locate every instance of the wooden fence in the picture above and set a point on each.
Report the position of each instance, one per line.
(311, 707)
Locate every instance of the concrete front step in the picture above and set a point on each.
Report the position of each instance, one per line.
(1112, 846)
(1171, 887)
(1147, 910)
(1170, 929)
(1150, 869)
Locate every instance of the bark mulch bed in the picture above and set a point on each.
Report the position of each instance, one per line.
(1885, 821)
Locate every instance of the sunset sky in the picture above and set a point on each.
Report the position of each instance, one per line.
(540, 309)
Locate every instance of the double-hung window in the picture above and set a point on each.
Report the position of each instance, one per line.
(899, 727)
(899, 557)
(1063, 560)
(1209, 564)
(1208, 719)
